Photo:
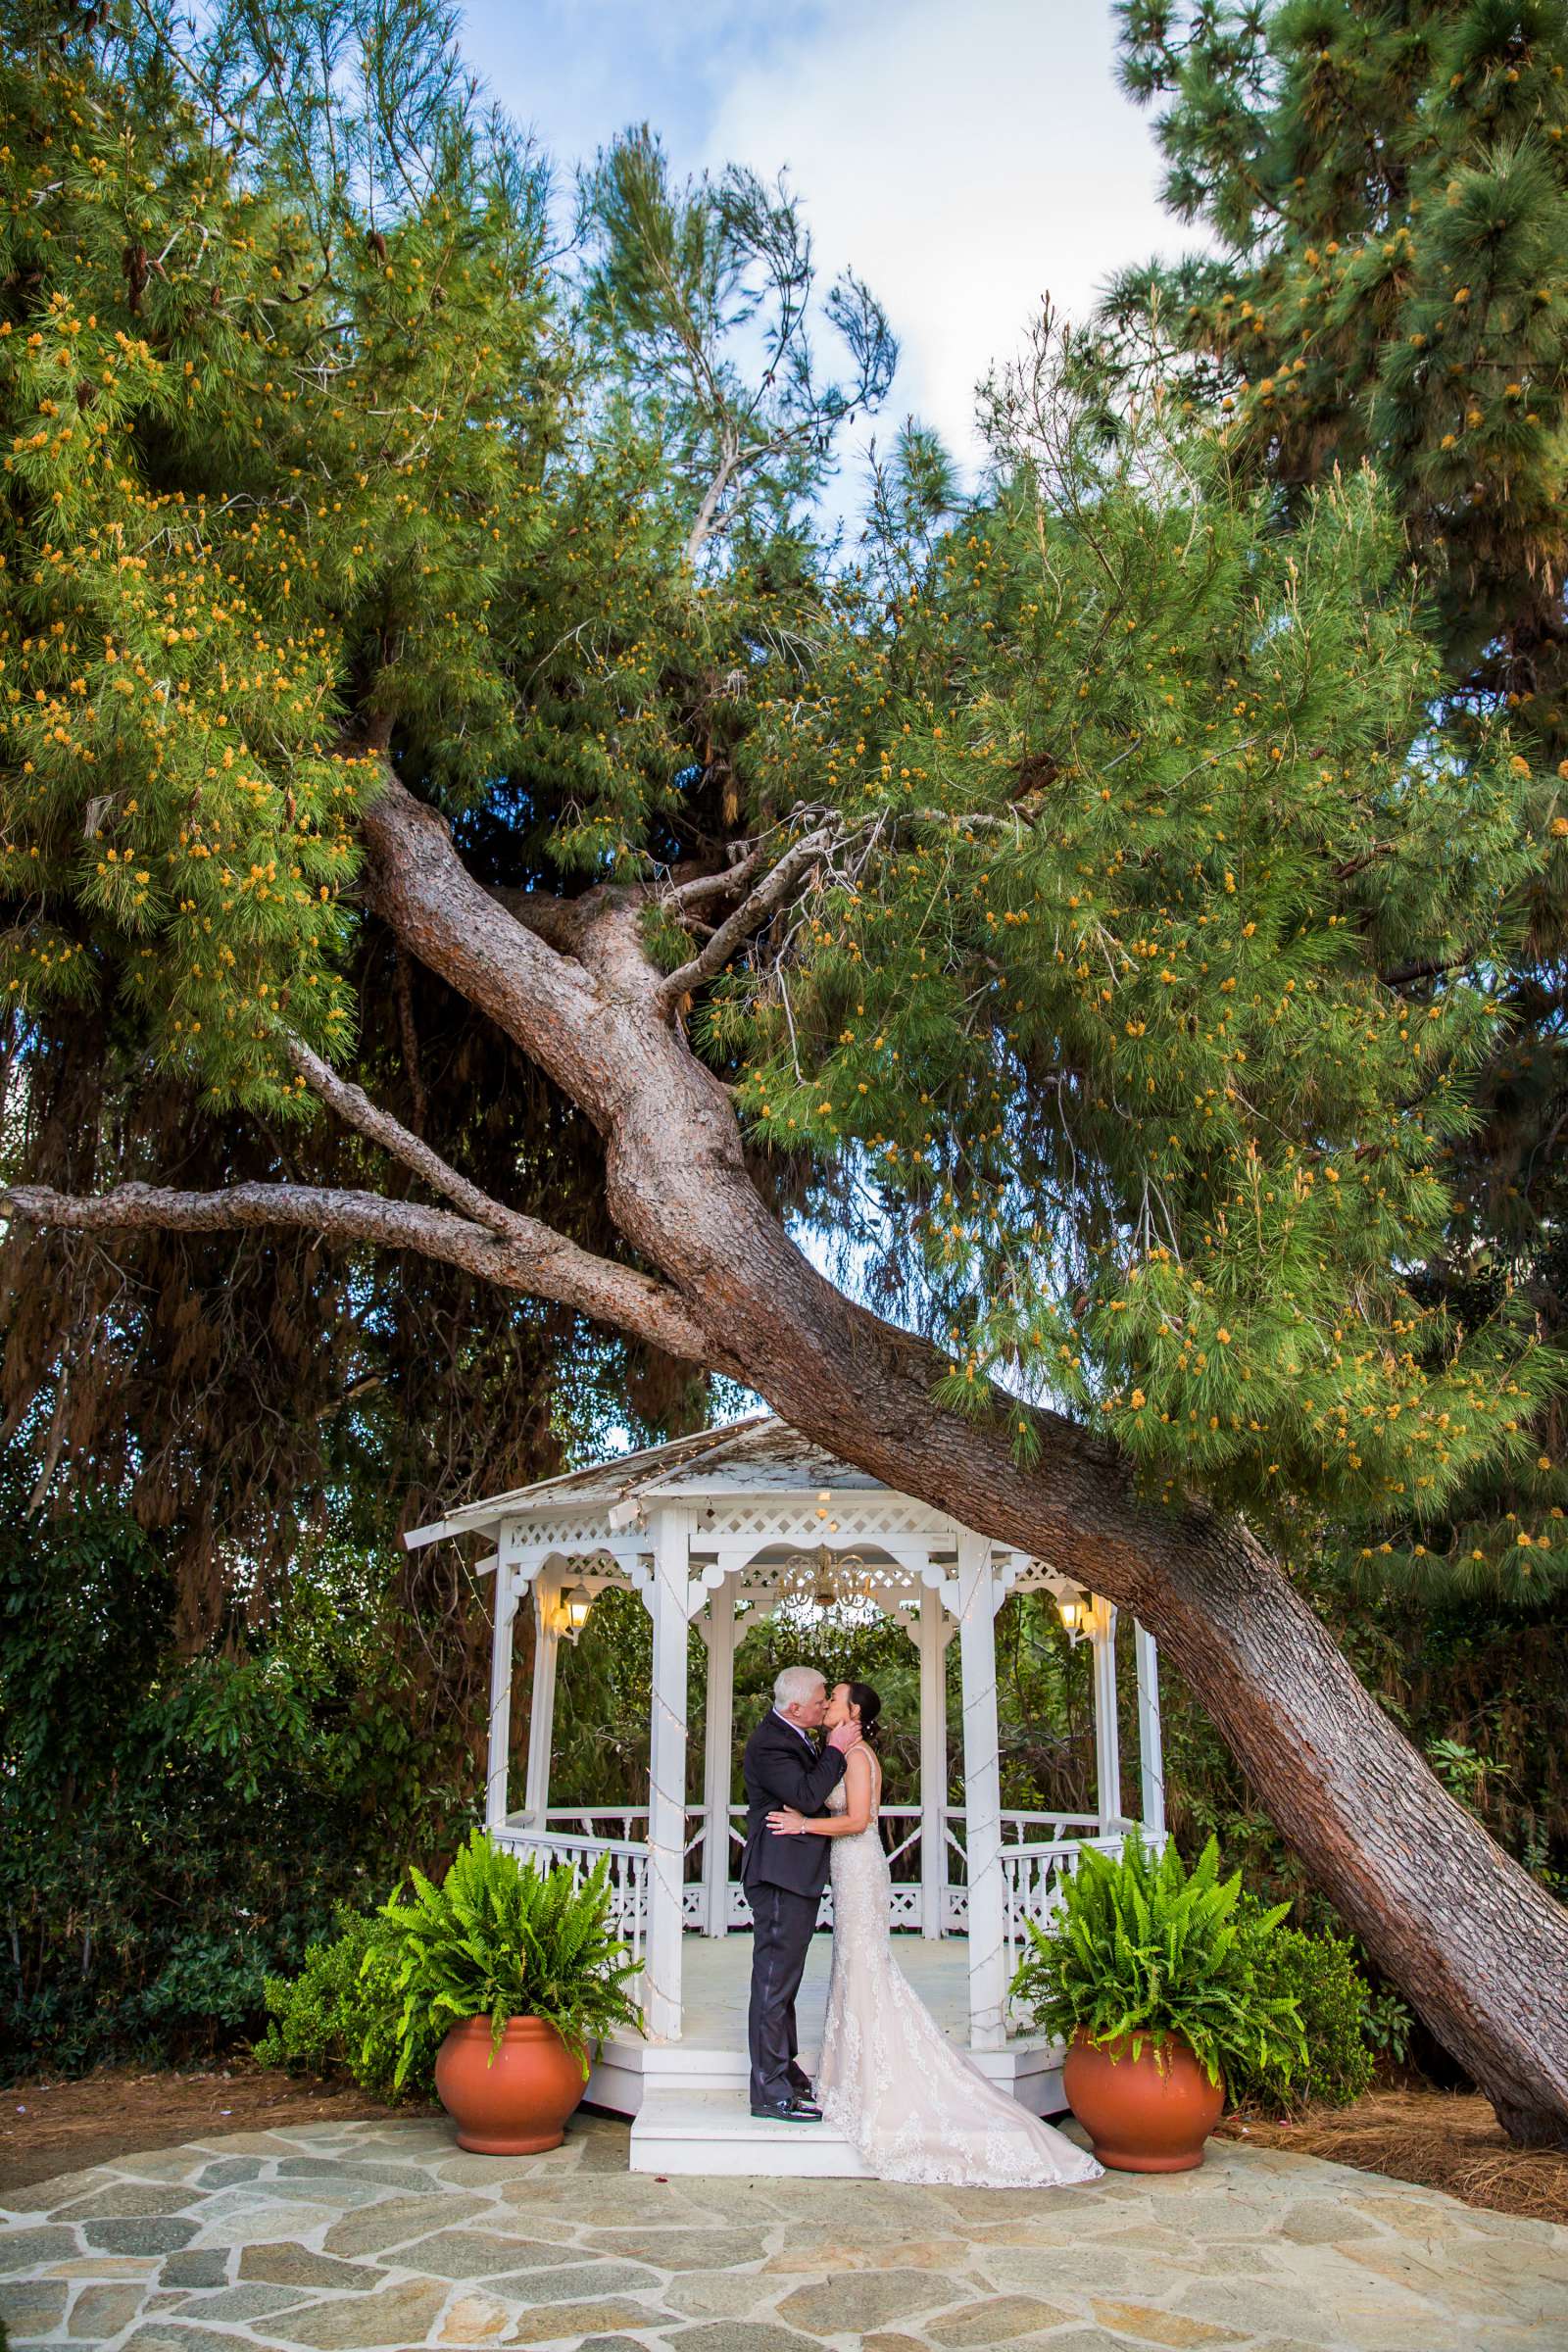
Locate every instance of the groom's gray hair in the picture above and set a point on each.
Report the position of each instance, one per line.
(797, 1684)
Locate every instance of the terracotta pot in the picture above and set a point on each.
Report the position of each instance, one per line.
(518, 2105)
(1149, 2113)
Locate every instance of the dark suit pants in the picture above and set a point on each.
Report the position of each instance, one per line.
(785, 1925)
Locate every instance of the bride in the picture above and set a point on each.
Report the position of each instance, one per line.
(912, 2106)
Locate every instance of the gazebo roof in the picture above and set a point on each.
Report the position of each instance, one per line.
(756, 1496)
(758, 1455)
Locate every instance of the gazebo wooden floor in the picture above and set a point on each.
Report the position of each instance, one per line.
(689, 2099)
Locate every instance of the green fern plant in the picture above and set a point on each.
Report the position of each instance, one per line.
(1144, 1949)
(502, 1939)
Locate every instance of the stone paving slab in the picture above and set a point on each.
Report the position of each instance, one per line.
(385, 2237)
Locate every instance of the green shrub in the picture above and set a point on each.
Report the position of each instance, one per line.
(218, 1979)
(1320, 1973)
(1389, 2023)
(177, 1829)
(1145, 1948)
(500, 1938)
(342, 2012)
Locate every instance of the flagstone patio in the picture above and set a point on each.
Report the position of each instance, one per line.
(385, 2235)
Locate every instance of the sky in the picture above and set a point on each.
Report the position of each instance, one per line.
(966, 156)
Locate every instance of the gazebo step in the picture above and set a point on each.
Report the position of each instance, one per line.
(627, 2072)
(715, 2132)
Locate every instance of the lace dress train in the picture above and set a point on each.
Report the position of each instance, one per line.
(913, 2107)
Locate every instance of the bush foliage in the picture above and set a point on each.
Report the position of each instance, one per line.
(173, 1830)
(342, 2012)
(1320, 1976)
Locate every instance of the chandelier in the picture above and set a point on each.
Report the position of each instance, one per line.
(824, 1579)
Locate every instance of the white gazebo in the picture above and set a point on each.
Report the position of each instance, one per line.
(717, 1531)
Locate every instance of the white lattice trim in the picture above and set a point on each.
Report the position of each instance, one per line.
(581, 1545)
(1016, 1572)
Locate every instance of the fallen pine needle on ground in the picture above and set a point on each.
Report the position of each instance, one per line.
(1443, 2139)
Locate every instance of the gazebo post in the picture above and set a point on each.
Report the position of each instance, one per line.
(495, 1777)
(666, 1769)
(931, 1634)
(1150, 1743)
(982, 1792)
(542, 1712)
(718, 1632)
(1107, 1737)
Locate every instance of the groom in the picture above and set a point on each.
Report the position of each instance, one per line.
(783, 1880)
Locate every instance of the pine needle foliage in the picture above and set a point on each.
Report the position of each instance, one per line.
(1145, 1950)
(1384, 196)
(1389, 192)
(304, 416)
(308, 416)
(1139, 1005)
(1147, 995)
(255, 442)
(500, 1938)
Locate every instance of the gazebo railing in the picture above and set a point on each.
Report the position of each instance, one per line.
(1032, 1878)
(581, 1855)
(1032, 1873)
(1036, 1846)
(629, 1823)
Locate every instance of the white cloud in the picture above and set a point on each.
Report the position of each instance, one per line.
(966, 161)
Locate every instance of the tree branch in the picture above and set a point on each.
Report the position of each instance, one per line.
(1408, 973)
(528, 1257)
(556, 921)
(542, 997)
(708, 513)
(751, 915)
(723, 881)
(355, 1108)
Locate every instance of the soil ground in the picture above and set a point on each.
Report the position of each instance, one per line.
(1441, 2139)
(49, 2127)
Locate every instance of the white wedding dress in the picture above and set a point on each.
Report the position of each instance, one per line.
(912, 2106)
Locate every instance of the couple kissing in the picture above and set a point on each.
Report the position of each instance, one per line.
(912, 2106)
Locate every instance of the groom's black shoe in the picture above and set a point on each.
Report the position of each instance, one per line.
(789, 2111)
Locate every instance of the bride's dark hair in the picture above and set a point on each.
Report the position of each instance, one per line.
(862, 1697)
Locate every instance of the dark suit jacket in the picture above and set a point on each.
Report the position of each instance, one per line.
(782, 1768)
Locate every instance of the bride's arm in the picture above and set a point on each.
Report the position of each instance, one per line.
(857, 1813)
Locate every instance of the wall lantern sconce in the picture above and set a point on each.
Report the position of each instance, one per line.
(1075, 1618)
(576, 1603)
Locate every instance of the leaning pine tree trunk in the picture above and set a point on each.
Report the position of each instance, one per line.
(1478, 1947)
(1474, 1943)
